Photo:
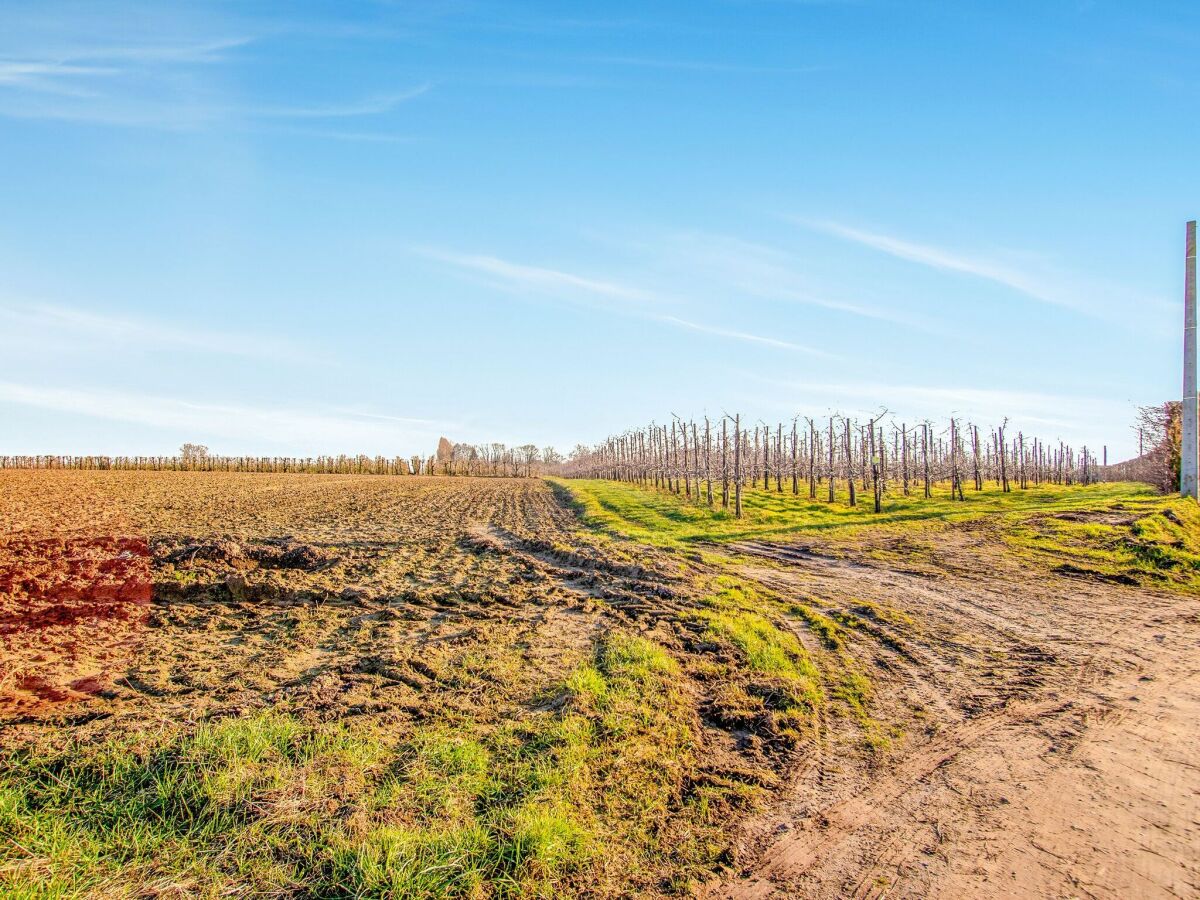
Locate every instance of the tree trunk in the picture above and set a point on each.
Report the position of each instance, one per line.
(831, 478)
(737, 467)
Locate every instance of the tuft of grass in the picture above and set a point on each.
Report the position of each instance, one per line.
(1169, 539)
(767, 649)
(775, 687)
(829, 631)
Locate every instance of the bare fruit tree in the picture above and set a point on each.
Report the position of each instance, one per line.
(193, 453)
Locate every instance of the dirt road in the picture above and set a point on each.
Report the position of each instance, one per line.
(1049, 749)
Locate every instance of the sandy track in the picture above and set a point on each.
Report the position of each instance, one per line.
(1049, 750)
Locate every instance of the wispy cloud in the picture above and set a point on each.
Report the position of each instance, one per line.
(36, 324)
(369, 106)
(312, 432)
(79, 70)
(80, 60)
(742, 336)
(538, 278)
(61, 78)
(699, 65)
(566, 285)
(153, 83)
(1036, 287)
(757, 270)
(329, 134)
(206, 51)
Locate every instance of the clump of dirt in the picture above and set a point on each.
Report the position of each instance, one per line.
(1073, 571)
(221, 551)
(283, 554)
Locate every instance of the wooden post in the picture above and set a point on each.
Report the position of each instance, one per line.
(779, 459)
(696, 460)
(1003, 459)
(687, 478)
(812, 460)
(876, 449)
(975, 452)
(953, 459)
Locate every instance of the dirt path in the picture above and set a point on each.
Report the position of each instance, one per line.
(1049, 746)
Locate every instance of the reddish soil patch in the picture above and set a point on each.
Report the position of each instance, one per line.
(69, 607)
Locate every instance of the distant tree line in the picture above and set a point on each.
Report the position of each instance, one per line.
(495, 459)
(713, 461)
(836, 457)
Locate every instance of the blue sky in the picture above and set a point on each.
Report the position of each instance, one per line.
(319, 227)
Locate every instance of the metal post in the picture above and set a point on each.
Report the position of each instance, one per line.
(1189, 459)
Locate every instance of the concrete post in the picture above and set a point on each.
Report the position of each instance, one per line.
(1189, 460)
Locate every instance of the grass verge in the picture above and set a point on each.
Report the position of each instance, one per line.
(587, 792)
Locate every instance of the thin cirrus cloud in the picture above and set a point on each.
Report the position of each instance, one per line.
(157, 85)
(33, 325)
(560, 284)
(765, 272)
(1035, 287)
(539, 278)
(316, 432)
(64, 70)
(369, 106)
(50, 77)
(743, 336)
(698, 65)
(84, 71)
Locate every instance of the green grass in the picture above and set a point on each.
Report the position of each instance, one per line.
(767, 649)
(775, 687)
(735, 611)
(587, 794)
(1159, 545)
(665, 519)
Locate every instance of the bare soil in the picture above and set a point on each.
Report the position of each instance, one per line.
(324, 595)
(1048, 745)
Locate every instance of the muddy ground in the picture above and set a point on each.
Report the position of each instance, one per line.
(1028, 733)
